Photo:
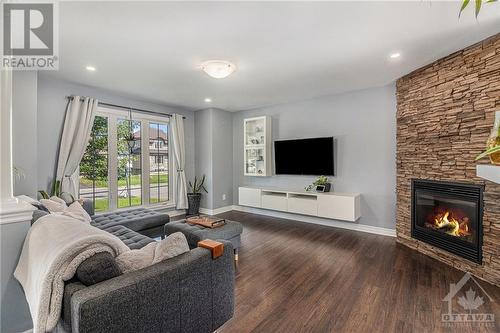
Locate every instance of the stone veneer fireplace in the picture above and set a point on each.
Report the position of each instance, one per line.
(445, 111)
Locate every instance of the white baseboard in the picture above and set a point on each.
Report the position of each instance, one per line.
(317, 220)
(216, 210)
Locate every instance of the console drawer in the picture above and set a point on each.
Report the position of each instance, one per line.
(274, 200)
(303, 204)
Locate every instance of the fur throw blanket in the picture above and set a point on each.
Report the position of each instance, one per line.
(53, 249)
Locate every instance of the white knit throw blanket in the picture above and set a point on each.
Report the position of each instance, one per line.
(53, 249)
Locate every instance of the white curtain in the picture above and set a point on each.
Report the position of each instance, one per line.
(177, 125)
(78, 123)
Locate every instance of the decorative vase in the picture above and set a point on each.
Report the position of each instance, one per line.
(193, 204)
(494, 139)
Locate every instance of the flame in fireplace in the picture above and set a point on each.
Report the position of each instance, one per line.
(452, 224)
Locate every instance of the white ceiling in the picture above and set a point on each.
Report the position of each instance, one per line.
(284, 51)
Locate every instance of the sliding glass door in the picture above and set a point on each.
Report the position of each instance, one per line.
(127, 162)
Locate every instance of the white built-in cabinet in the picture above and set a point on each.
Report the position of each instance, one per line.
(257, 146)
(331, 205)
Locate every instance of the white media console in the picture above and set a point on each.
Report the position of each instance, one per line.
(331, 205)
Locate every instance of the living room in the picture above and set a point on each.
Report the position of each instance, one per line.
(250, 166)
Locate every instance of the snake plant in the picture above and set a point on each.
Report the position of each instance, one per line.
(197, 186)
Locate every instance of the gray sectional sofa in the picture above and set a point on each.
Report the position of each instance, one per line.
(189, 293)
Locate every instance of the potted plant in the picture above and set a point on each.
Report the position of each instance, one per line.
(194, 197)
(321, 181)
(493, 143)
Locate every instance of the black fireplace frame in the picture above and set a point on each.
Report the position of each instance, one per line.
(467, 250)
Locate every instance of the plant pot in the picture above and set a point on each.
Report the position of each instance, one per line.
(193, 204)
(323, 187)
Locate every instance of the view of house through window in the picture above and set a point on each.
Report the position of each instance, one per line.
(114, 168)
(158, 162)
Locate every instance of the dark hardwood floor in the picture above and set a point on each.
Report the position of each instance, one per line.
(299, 277)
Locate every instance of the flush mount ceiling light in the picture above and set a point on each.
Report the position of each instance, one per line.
(90, 68)
(208, 100)
(218, 69)
(395, 55)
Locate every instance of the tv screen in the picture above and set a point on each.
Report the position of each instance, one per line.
(304, 157)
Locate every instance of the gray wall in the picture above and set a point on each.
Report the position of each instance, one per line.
(203, 152)
(24, 137)
(364, 125)
(51, 110)
(222, 143)
(214, 156)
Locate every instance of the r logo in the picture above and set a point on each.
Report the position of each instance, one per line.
(28, 29)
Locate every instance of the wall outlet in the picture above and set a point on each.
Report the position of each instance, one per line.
(224, 196)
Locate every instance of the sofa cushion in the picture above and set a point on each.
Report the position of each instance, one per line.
(100, 267)
(132, 239)
(135, 219)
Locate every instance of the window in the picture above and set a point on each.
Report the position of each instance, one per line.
(129, 164)
(115, 174)
(94, 166)
(158, 168)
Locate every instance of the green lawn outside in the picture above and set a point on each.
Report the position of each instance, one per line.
(134, 180)
(102, 204)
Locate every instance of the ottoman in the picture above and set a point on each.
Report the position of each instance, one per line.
(231, 232)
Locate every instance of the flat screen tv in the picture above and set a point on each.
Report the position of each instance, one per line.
(304, 157)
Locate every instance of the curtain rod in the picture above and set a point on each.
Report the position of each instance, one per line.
(129, 108)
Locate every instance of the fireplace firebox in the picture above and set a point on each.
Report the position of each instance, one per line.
(449, 216)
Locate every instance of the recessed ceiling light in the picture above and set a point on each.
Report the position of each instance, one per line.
(218, 69)
(395, 55)
(208, 100)
(90, 68)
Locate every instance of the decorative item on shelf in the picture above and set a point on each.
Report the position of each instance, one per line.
(194, 197)
(321, 184)
(493, 143)
(257, 148)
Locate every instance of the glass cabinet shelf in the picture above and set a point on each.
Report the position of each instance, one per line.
(257, 146)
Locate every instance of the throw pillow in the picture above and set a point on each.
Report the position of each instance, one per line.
(58, 200)
(52, 206)
(39, 206)
(28, 199)
(170, 247)
(136, 259)
(100, 267)
(76, 211)
(67, 198)
(167, 248)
